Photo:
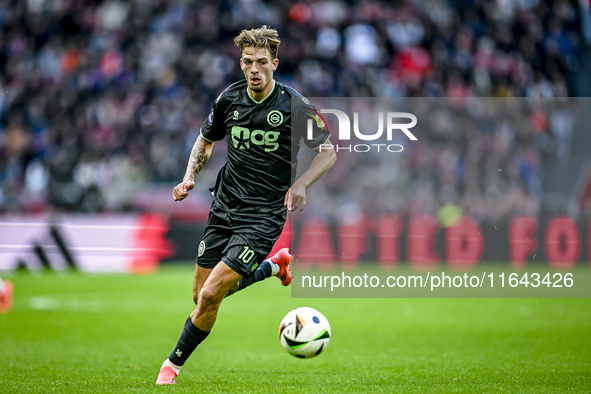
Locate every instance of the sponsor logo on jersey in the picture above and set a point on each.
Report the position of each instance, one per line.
(210, 117)
(236, 114)
(242, 138)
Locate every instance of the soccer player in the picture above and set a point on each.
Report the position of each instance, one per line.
(253, 190)
(6, 291)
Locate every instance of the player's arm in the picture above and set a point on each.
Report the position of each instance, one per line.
(324, 160)
(199, 156)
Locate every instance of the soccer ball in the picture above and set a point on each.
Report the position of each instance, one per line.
(304, 332)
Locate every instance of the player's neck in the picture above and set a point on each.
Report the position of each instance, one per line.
(258, 97)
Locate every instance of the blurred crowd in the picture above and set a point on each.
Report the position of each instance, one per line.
(102, 100)
(481, 156)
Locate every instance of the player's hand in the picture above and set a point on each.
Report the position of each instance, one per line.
(182, 190)
(295, 197)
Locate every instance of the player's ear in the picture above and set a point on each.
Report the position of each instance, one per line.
(275, 64)
(241, 64)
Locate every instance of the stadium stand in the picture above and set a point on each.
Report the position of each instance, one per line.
(100, 100)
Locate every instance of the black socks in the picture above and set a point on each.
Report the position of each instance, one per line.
(190, 338)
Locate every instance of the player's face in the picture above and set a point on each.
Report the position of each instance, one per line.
(258, 67)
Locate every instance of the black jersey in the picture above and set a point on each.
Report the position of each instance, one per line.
(262, 147)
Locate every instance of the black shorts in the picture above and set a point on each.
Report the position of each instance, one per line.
(242, 243)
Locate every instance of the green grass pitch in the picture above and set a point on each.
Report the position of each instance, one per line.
(78, 333)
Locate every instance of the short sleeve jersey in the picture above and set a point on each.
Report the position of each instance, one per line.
(262, 147)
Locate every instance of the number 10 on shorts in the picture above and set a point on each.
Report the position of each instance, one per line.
(246, 255)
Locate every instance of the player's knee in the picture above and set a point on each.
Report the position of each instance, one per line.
(208, 298)
(195, 296)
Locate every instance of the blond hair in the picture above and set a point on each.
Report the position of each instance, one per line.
(263, 37)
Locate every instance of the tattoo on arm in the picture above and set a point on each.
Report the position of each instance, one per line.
(199, 156)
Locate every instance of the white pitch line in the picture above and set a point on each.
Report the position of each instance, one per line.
(80, 226)
(71, 303)
(83, 248)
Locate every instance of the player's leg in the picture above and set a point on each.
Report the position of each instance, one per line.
(210, 250)
(197, 327)
(240, 257)
(201, 275)
(216, 287)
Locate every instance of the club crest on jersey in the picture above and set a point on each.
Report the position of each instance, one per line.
(210, 117)
(275, 118)
(201, 249)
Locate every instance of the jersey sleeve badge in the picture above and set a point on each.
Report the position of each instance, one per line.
(210, 117)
